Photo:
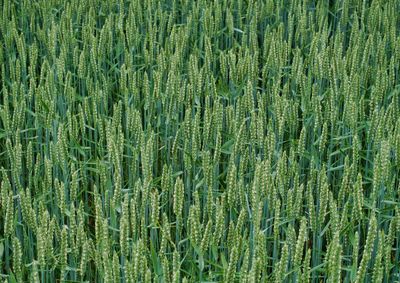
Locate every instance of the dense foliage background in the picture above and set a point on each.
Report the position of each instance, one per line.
(200, 141)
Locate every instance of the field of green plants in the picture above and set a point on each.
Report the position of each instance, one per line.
(200, 141)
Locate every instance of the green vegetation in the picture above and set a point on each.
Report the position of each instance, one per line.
(200, 141)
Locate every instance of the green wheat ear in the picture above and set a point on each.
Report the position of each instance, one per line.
(199, 141)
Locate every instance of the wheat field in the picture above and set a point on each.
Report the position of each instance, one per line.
(199, 141)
